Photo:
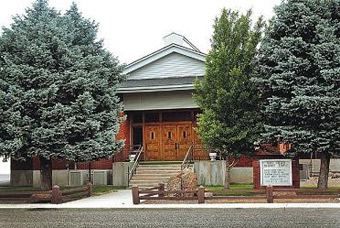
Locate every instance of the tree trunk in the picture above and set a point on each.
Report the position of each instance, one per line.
(45, 173)
(324, 170)
(227, 175)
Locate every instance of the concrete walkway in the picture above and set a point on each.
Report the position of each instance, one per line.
(123, 199)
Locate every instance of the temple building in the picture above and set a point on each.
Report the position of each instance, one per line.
(157, 96)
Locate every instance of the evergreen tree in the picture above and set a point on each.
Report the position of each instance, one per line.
(230, 122)
(298, 74)
(57, 90)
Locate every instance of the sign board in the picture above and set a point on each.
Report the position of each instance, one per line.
(276, 172)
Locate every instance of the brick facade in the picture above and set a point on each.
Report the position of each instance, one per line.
(124, 133)
(245, 161)
(257, 178)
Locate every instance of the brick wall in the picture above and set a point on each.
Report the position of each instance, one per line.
(124, 133)
(245, 161)
(257, 177)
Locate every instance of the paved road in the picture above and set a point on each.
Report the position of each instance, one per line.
(277, 218)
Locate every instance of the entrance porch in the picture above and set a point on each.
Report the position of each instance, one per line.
(165, 135)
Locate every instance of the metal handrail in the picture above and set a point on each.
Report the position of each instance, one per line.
(188, 157)
(135, 164)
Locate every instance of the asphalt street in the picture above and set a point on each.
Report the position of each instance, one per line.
(27, 218)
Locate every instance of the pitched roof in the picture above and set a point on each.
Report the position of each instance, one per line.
(172, 48)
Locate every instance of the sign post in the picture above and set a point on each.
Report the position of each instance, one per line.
(276, 172)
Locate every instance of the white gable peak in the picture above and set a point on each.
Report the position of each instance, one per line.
(178, 39)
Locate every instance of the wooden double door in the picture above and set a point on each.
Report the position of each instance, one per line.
(168, 141)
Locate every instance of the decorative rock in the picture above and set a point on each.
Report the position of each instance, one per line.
(187, 180)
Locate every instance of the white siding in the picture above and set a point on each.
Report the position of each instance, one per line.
(158, 100)
(172, 65)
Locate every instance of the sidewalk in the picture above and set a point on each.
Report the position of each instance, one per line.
(123, 199)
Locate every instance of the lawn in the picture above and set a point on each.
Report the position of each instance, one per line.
(11, 188)
(102, 189)
(232, 187)
(236, 187)
(97, 189)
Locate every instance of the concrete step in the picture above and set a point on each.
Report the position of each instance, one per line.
(148, 171)
(152, 175)
(148, 176)
(158, 168)
(145, 186)
(164, 180)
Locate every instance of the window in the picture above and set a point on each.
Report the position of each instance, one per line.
(137, 117)
(152, 135)
(169, 135)
(151, 117)
(176, 116)
(137, 135)
(184, 134)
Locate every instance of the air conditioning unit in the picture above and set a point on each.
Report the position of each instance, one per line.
(76, 178)
(99, 177)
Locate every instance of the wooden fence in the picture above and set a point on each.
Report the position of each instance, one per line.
(57, 196)
(18, 196)
(267, 194)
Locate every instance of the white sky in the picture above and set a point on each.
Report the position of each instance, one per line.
(134, 28)
(4, 167)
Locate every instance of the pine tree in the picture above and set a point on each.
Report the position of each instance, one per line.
(57, 90)
(298, 74)
(230, 122)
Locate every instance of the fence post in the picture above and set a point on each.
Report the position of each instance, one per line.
(89, 189)
(200, 194)
(56, 195)
(161, 189)
(269, 194)
(135, 194)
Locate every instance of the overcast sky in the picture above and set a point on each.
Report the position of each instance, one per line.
(134, 28)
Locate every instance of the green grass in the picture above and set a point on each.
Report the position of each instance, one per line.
(11, 188)
(96, 189)
(101, 189)
(232, 187)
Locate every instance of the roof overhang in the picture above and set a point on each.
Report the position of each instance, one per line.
(155, 89)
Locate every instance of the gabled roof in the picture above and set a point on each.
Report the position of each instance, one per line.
(172, 48)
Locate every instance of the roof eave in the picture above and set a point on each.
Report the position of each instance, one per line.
(155, 89)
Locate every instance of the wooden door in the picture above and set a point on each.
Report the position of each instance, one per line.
(152, 142)
(184, 132)
(169, 140)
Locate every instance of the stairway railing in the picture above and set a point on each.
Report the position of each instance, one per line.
(135, 165)
(188, 157)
